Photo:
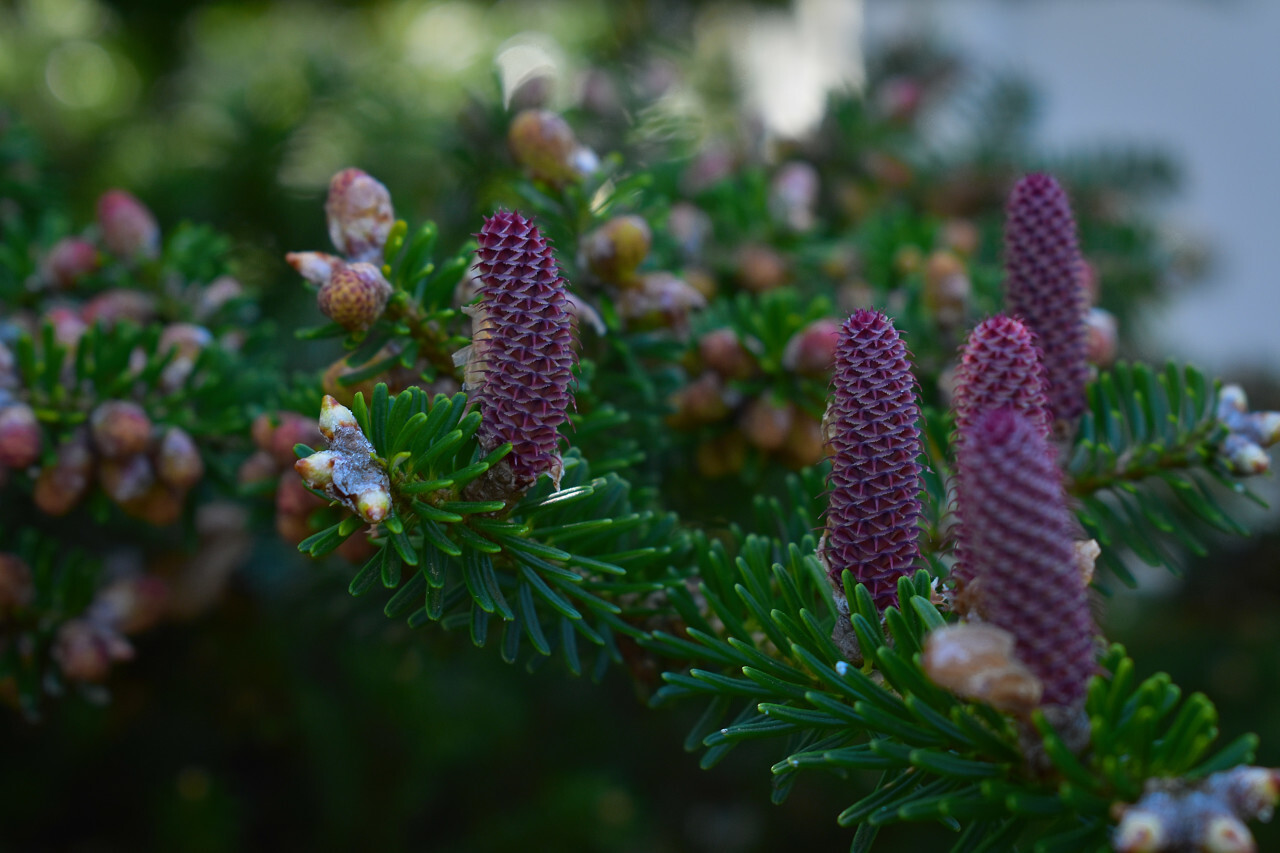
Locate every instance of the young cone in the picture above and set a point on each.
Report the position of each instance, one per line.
(999, 367)
(1044, 285)
(1016, 532)
(524, 350)
(873, 442)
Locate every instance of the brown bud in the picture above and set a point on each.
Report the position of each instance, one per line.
(16, 587)
(661, 300)
(292, 428)
(703, 401)
(69, 260)
(721, 351)
(961, 236)
(178, 462)
(126, 478)
(614, 250)
(543, 143)
(355, 296)
(976, 661)
(19, 436)
(293, 498)
(120, 428)
(722, 456)
(64, 482)
(360, 215)
(812, 350)
(804, 445)
(187, 338)
(128, 228)
(766, 423)
(258, 467)
(761, 268)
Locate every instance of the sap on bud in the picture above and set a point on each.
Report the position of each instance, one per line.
(360, 215)
(316, 470)
(334, 417)
(128, 228)
(355, 296)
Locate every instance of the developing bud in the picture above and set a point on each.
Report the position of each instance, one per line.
(977, 661)
(1244, 457)
(703, 401)
(614, 250)
(85, 650)
(761, 268)
(355, 296)
(128, 228)
(1102, 337)
(63, 483)
(113, 306)
(543, 143)
(127, 478)
(946, 288)
(348, 471)
(812, 350)
(360, 215)
(69, 260)
(16, 586)
(660, 300)
(315, 267)
(178, 462)
(68, 328)
(767, 423)
(19, 436)
(120, 428)
(722, 351)
(805, 445)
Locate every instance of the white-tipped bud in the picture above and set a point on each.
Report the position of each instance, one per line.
(1231, 399)
(316, 470)
(335, 416)
(315, 267)
(1224, 833)
(1244, 457)
(1141, 831)
(374, 505)
(360, 215)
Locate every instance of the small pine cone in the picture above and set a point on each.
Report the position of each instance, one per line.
(999, 367)
(354, 296)
(874, 486)
(1044, 285)
(19, 436)
(360, 215)
(120, 428)
(128, 228)
(1015, 529)
(527, 356)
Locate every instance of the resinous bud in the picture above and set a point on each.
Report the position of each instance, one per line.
(335, 416)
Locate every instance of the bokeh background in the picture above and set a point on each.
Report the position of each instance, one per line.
(290, 717)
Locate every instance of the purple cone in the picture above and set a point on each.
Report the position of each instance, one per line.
(1044, 286)
(874, 487)
(524, 347)
(999, 367)
(1016, 531)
